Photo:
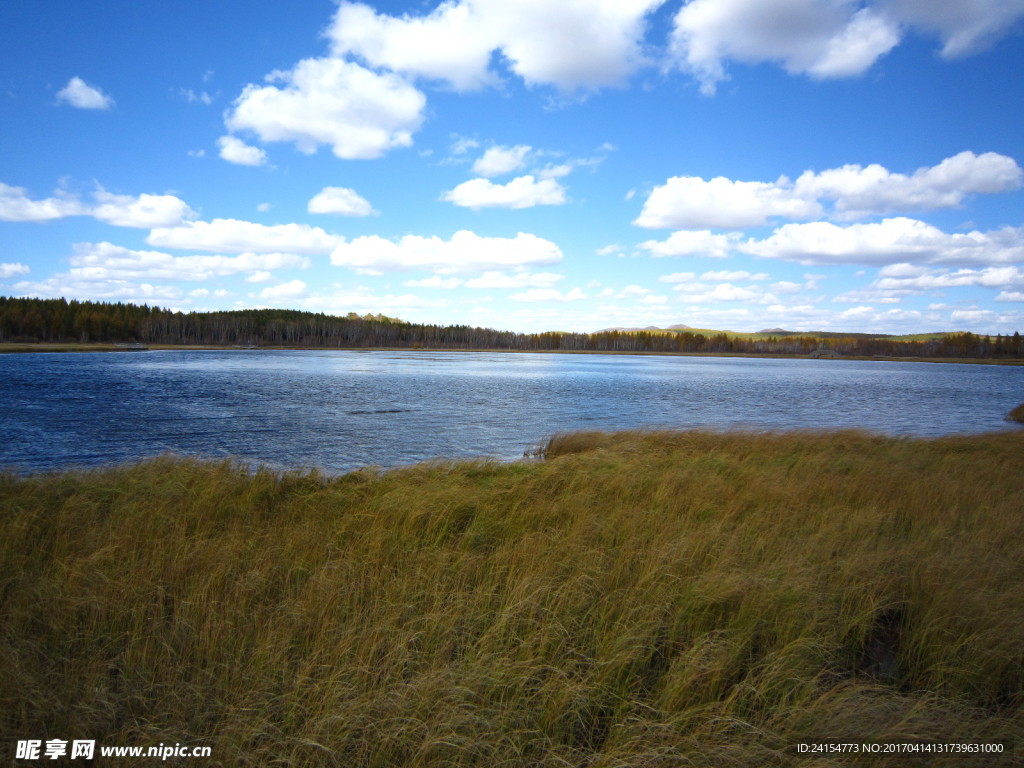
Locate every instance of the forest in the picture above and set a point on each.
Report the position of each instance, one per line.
(28, 320)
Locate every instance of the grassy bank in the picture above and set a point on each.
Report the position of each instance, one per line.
(634, 599)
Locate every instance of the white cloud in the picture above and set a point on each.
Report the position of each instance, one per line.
(691, 202)
(852, 192)
(678, 277)
(693, 243)
(341, 300)
(549, 294)
(861, 191)
(498, 160)
(786, 286)
(521, 192)
(463, 144)
(963, 27)
(10, 269)
(291, 290)
(341, 201)
(446, 44)
(259, 277)
(195, 98)
(15, 205)
(871, 295)
(1010, 296)
(465, 252)
(572, 44)
(106, 261)
(78, 93)
(932, 279)
(436, 281)
(729, 276)
(890, 241)
(142, 211)
(698, 293)
(826, 38)
(972, 315)
(100, 290)
(359, 113)
(234, 236)
(236, 151)
(517, 280)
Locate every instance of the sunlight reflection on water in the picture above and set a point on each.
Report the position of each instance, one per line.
(341, 410)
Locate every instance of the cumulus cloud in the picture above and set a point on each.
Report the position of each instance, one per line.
(15, 205)
(235, 236)
(236, 151)
(293, 289)
(498, 160)
(549, 294)
(861, 191)
(890, 241)
(78, 93)
(825, 38)
(10, 269)
(142, 211)
(435, 281)
(935, 279)
(696, 292)
(341, 201)
(677, 277)
(522, 192)
(465, 252)
(693, 243)
(692, 202)
(100, 290)
(358, 113)
(517, 280)
(340, 300)
(106, 261)
(728, 276)
(963, 27)
(573, 44)
(848, 192)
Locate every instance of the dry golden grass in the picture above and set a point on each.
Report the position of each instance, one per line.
(640, 599)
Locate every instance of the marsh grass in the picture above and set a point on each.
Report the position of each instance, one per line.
(627, 599)
(1017, 414)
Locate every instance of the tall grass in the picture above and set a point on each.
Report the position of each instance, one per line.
(626, 599)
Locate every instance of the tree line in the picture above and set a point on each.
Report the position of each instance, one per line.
(62, 321)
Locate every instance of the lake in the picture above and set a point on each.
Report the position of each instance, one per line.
(342, 410)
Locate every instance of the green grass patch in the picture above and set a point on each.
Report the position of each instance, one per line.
(622, 599)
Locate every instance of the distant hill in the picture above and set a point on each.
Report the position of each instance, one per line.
(766, 333)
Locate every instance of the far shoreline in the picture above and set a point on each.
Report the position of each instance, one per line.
(44, 347)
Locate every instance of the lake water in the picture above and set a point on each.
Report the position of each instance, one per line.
(341, 410)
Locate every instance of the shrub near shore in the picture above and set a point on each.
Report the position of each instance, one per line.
(627, 599)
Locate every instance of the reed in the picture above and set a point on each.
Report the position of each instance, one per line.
(1017, 414)
(638, 598)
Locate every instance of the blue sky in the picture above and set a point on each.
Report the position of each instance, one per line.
(520, 164)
